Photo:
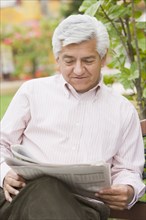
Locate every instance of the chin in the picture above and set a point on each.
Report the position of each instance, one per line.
(81, 90)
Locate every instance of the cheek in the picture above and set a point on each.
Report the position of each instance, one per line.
(66, 69)
(94, 70)
(66, 72)
(95, 73)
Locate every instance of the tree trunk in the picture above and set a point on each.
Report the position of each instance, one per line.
(141, 101)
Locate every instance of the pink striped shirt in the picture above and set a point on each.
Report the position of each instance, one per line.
(47, 114)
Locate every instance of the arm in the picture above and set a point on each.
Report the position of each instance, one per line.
(13, 125)
(127, 167)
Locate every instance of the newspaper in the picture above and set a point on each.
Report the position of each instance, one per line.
(83, 179)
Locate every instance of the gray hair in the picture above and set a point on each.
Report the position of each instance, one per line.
(79, 28)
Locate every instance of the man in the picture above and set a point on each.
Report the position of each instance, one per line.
(72, 118)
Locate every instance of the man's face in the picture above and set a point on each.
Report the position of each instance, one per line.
(80, 65)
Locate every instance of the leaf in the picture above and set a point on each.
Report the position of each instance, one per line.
(142, 44)
(141, 25)
(93, 9)
(144, 93)
(86, 4)
(117, 11)
(144, 74)
(123, 78)
(109, 79)
(137, 1)
(114, 63)
(137, 14)
(134, 73)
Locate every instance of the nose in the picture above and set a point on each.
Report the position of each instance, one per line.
(78, 68)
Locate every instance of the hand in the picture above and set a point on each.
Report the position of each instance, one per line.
(12, 184)
(117, 196)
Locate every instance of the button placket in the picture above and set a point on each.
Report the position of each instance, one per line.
(78, 128)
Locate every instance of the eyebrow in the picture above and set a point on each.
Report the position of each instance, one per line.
(84, 58)
(89, 57)
(67, 56)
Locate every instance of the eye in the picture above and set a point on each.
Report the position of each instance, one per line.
(89, 61)
(69, 61)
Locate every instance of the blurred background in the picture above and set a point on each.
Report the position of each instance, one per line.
(25, 41)
(26, 33)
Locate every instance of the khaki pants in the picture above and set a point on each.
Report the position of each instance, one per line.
(47, 198)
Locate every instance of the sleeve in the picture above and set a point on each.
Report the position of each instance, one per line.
(128, 163)
(13, 125)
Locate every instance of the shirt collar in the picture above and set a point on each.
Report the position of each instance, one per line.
(69, 90)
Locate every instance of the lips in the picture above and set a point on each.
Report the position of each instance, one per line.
(80, 77)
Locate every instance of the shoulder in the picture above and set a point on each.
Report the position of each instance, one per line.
(114, 96)
(40, 81)
(117, 102)
(119, 108)
(34, 84)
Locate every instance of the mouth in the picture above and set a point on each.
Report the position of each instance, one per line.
(79, 77)
(79, 80)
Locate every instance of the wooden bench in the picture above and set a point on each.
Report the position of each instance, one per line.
(138, 211)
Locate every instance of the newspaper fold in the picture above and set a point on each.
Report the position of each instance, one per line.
(83, 179)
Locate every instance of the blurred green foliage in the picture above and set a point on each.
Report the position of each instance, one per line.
(31, 47)
(128, 42)
(71, 7)
(109, 79)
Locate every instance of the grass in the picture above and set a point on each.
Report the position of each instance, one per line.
(4, 102)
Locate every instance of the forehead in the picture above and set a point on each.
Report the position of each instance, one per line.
(86, 48)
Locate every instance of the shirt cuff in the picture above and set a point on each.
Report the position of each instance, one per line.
(136, 197)
(4, 169)
(134, 200)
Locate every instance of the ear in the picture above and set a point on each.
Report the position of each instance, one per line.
(57, 59)
(57, 64)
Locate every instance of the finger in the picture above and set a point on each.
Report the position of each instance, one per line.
(118, 204)
(111, 191)
(13, 182)
(115, 207)
(13, 175)
(7, 196)
(115, 189)
(21, 179)
(11, 190)
(110, 197)
(119, 200)
(18, 177)
(115, 203)
(17, 184)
